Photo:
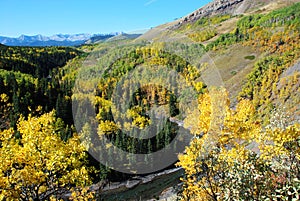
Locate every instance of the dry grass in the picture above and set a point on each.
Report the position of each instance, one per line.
(224, 27)
(233, 66)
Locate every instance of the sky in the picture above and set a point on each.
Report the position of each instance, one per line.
(49, 17)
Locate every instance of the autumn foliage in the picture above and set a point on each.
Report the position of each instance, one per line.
(244, 161)
(39, 164)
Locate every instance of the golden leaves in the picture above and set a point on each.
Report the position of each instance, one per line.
(242, 155)
(39, 160)
(107, 127)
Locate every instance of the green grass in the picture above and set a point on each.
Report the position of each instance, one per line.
(250, 57)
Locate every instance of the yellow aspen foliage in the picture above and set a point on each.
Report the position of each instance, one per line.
(205, 109)
(107, 127)
(202, 146)
(278, 142)
(137, 119)
(82, 195)
(245, 161)
(199, 87)
(40, 164)
(240, 124)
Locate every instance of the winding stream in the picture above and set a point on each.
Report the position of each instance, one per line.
(142, 188)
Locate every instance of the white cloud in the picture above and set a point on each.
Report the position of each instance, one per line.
(149, 2)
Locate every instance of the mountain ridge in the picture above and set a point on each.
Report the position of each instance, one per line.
(54, 40)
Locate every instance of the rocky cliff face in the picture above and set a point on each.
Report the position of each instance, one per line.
(215, 7)
(220, 7)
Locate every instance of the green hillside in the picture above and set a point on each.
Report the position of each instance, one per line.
(30, 77)
(255, 45)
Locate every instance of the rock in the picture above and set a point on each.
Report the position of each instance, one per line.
(214, 8)
(221, 7)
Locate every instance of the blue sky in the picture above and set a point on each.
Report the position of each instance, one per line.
(48, 17)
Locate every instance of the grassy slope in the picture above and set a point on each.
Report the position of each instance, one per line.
(231, 62)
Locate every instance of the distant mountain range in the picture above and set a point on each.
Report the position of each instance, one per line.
(55, 40)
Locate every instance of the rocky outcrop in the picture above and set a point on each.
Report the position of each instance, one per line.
(221, 7)
(213, 8)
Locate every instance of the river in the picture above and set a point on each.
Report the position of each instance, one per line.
(141, 188)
